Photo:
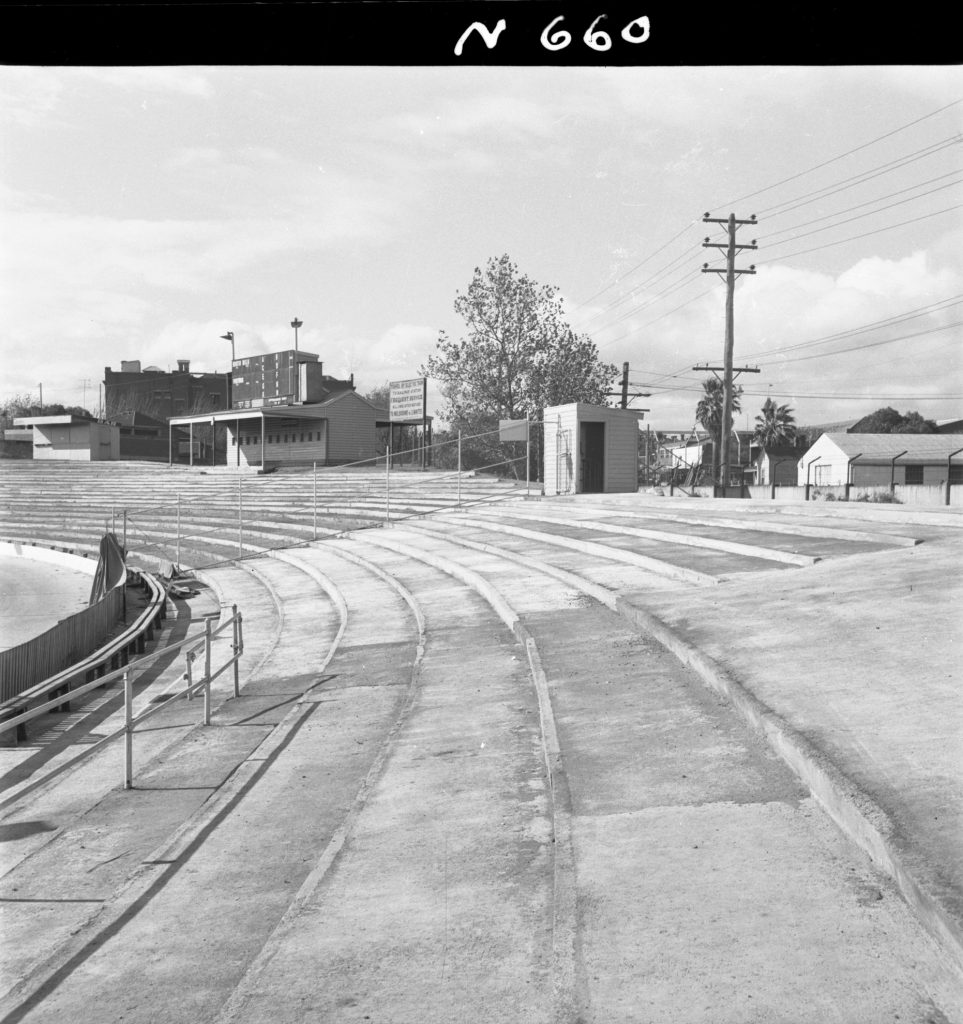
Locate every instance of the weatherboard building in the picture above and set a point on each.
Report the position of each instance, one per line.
(286, 411)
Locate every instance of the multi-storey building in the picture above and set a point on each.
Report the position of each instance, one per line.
(162, 394)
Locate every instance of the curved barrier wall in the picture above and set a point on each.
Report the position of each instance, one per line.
(70, 640)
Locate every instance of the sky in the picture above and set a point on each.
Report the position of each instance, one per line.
(146, 211)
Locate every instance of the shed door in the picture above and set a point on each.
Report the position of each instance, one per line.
(592, 455)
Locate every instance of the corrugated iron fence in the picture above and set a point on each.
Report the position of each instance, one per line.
(70, 640)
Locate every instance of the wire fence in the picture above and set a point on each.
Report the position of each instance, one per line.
(240, 516)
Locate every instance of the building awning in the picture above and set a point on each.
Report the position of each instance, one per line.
(274, 412)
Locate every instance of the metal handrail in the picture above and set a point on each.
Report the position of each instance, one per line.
(62, 678)
(124, 672)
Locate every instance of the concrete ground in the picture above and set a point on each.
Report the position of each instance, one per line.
(462, 783)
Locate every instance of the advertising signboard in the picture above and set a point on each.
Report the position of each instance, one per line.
(407, 402)
(513, 430)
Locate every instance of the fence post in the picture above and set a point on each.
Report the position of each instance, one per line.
(315, 501)
(237, 649)
(459, 467)
(240, 520)
(949, 464)
(128, 731)
(207, 672)
(388, 478)
(178, 555)
(190, 674)
(528, 453)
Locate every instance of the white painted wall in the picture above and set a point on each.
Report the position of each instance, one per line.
(76, 442)
(561, 470)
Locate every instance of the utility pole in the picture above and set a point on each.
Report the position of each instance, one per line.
(85, 381)
(731, 272)
(624, 393)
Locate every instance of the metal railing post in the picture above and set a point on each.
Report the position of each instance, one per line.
(190, 674)
(388, 478)
(207, 672)
(949, 466)
(892, 471)
(237, 650)
(178, 555)
(315, 501)
(128, 731)
(240, 520)
(528, 454)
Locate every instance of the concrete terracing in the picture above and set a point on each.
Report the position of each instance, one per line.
(600, 759)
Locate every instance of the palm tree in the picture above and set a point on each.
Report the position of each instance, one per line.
(775, 425)
(709, 414)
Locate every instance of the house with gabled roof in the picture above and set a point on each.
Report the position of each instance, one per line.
(882, 460)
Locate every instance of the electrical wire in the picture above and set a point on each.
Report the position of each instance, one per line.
(841, 156)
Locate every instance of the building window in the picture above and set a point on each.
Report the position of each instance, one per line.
(310, 434)
(215, 399)
(302, 436)
(956, 474)
(914, 475)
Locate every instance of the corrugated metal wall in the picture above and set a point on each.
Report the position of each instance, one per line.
(352, 435)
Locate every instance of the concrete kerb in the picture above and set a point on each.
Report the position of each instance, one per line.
(586, 547)
(564, 927)
(732, 547)
(934, 515)
(235, 1003)
(165, 858)
(599, 593)
(764, 524)
(854, 812)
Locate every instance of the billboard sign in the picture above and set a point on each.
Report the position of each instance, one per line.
(513, 430)
(407, 402)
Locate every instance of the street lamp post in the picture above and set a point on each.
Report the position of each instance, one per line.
(229, 336)
(296, 323)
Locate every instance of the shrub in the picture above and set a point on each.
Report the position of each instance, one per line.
(879, 497)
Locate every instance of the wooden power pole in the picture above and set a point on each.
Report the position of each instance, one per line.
(731, 273)
(625, 393)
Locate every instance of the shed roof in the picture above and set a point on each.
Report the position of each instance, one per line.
(914, 447)
(62, 420)
(317, 410)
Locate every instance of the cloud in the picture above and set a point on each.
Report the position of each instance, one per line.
(28, 96)
(182, 81)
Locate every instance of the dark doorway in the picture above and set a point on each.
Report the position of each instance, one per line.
(592, 455)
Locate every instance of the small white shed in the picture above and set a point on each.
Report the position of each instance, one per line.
(71, 438)
(590, 449)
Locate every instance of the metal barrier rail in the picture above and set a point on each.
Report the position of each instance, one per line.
(194, 644)
(114, 651)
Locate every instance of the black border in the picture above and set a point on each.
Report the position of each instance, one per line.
(424, 32)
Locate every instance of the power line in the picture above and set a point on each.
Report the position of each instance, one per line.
(869, 344)
(841, 156)
(853, 238)
(911, 314)
(788, 205)
(859, 216)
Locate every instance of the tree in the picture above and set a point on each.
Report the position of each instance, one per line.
(889, 421)
(775, 425)
(709, 412)
(517, 356)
